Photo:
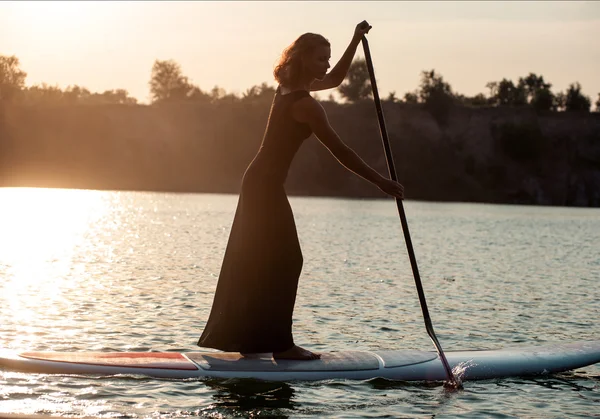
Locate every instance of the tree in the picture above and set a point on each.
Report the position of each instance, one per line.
(12, 78)
(598, 103)
(74, 95)
(575, 100)
(435, 94)
(196, 94)
(167, 83)
(505, 93)
(537, 92)
(477, 100)
(411, 97)
(118, 96)
(433, 87)
(493, 86)
(43, 93)
(531, 84)
(532, 90)
(357, 84)
(560, 100)
(543, 100)
(219, 94)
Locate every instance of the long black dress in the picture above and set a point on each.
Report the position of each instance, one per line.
(255, 295)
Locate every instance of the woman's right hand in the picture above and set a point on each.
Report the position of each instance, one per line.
(361, 29)
(392, 188)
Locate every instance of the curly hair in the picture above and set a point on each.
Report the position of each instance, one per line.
(289, 68)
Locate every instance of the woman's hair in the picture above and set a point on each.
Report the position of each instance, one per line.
(289, 68)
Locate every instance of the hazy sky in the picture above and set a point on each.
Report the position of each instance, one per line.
(110, 45)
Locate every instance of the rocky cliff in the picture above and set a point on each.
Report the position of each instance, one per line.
(501, 155)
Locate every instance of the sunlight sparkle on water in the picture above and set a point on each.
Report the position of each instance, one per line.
(43, 232)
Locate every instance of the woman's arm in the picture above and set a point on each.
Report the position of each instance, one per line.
(309, 111)
(338, 73)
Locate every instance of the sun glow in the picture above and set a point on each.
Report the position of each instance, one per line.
(55, 24)
(52, 13)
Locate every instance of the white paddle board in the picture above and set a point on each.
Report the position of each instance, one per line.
(405, 365)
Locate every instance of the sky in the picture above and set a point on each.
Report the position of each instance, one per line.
(234, 45)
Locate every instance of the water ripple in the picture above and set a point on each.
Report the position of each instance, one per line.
(137, 272)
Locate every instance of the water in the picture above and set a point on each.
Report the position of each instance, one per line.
(110, 271)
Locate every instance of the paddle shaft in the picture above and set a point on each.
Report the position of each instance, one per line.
(393, 176)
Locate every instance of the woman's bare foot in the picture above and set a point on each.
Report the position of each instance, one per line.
(296, 352)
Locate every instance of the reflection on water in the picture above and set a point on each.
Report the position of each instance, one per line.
(42, 227)
(242, 397)
(44, 236)
(118, 271)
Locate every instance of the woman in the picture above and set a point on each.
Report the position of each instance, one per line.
(256, 291)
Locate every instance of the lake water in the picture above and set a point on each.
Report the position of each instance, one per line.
(127, 271)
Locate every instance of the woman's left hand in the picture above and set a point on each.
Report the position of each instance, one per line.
(361, 29)
(391, 187)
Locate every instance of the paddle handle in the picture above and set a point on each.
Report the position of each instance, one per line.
(409, 246)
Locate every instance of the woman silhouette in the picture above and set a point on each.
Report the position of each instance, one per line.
(255, 295)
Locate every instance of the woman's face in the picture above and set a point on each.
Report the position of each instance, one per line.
(317, 62)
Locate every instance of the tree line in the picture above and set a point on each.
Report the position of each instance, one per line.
(13, 89)
(530, 90)
(168, 83)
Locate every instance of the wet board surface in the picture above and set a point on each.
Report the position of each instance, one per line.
(330, 361)
(406, 365)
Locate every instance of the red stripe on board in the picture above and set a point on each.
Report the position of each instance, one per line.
(159, 360)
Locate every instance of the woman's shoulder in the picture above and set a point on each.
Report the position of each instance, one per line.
(287, 92)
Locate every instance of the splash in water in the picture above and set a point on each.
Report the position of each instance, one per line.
(461, 368)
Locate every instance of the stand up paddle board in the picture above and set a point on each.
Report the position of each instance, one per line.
(404, 365)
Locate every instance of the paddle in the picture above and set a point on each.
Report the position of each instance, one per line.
(452, 381)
